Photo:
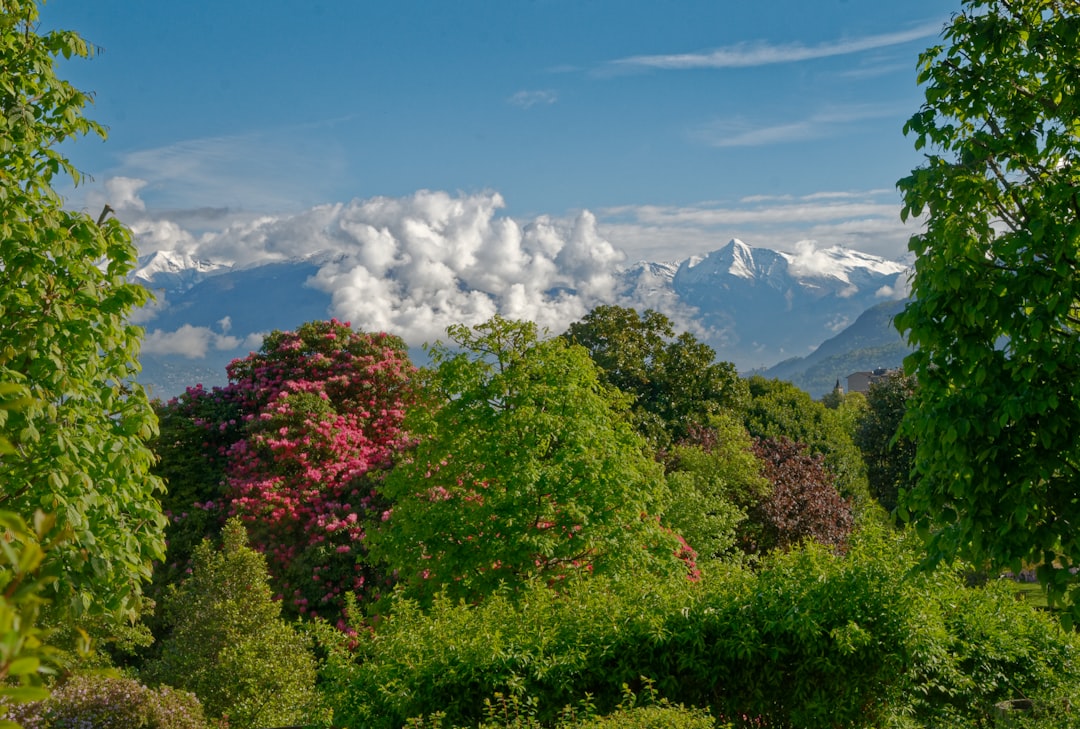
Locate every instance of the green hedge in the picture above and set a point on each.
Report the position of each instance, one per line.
(810, 640)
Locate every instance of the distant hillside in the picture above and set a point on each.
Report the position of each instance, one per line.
(870, 342)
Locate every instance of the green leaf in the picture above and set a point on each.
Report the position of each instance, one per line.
(23, 694)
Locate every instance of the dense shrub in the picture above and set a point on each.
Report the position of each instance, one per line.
(101, 702)
(295, 446)
(802, 504)
(811, 639)
(228, 643)
(516, 712)
(714, 478)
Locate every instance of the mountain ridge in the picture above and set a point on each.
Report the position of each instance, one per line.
(754, 306)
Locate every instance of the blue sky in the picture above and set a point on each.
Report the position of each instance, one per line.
(678, 125)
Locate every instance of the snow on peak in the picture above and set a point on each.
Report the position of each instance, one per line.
(810, 262)
(173, 270)
(742, 259)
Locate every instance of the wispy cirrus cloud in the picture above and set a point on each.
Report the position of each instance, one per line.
(742, 132)
(278, 168)
(867, 220)
(760, 53)
(528, 99)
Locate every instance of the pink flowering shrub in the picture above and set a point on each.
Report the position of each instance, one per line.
(295, 446)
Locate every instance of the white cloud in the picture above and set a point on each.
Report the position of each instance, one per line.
(122, 193)
(187, 341)
(414, 265)
(743, 55)
(740, 132)
(809, 261)
(867, 221)
(528, 99)
(411, 265)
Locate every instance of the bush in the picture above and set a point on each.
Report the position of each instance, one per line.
(811, 639)
(516, 712)
(228, 643)
(101, 702)
(803, 503)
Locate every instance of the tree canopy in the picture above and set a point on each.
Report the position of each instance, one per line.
(996, 289)
(780, 410)
(525, 469)
(77, 445)
(675, 381)
(889, 455)
(295, 446)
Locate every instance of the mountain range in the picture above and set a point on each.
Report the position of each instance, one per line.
(803, 311)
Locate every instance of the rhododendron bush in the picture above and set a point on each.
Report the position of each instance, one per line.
(294, 445)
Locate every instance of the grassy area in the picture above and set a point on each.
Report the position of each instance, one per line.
(1031, 593)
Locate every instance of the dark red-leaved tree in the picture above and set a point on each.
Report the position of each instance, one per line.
(803, 504)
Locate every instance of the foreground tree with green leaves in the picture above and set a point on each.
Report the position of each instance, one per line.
(995, 314)
(77, 443)
(526, 468)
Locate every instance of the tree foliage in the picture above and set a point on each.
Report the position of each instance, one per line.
(294, 446)
(715, 479)
(675, 380)
(77, 446)
(780, 410)
(228, 643)
(803, 503)
(889, 455)
(526, 468)
(25, 655)
(996, 288)
(808, 639)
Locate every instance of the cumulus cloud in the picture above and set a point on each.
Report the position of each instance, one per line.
(122, 193)
(900, 289)
(416, 264)
(411, 265)
(808, 260)
(187, 341)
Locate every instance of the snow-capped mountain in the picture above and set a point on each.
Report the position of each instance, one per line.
(174, 271)
(758, 306)
(754, 306)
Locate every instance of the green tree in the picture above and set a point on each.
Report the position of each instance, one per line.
(78, 446)
(889, 455)
(526, 468)
(715, 479)
(778, 409)
(228, 643)
(675, 381)
(996, 290)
